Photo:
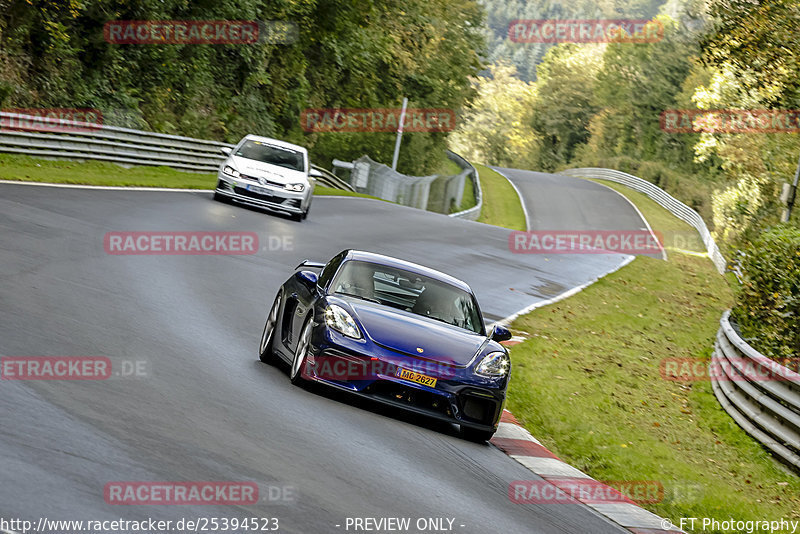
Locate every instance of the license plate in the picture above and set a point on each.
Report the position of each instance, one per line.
(258, 190)
(411, 376)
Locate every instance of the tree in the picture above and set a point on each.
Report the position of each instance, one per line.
(564, 104)
(496, 129)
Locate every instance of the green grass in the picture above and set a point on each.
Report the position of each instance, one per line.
(501, 204)
(448, 167)
(468, 201)
(587, 384)
(29, 169)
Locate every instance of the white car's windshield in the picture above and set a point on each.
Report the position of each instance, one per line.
(274, 155)
(408, 291)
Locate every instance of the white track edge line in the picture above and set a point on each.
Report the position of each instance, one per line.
(521, 200)
(649, 229)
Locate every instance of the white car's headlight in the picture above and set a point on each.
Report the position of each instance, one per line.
(494, 365)
(230, 171)
(295, 187)
(337, 318)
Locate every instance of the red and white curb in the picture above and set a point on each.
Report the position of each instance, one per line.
(513, 439)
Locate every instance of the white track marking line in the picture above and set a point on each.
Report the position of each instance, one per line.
(521, 201)
(647, 224)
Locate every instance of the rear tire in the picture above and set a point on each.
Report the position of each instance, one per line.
(301, 354)
(478, 436)
(265, 353)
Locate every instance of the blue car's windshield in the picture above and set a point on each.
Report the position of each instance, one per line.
(408, 291)
(275, 155)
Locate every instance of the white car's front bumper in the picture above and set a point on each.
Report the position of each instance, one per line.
(265, 196)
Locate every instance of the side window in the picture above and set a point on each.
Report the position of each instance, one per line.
(330, 269)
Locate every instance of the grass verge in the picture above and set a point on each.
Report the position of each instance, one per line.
(501, 204)
(588, 384)
(30, 169)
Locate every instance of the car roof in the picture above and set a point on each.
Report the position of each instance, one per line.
(415, 268)
(275, 142)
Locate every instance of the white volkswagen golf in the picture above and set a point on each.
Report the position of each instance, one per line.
(267, 173)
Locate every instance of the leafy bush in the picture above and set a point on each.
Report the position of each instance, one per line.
(365, 54)
(769, 302)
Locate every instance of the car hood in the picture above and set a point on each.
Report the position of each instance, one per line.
(273, 173)
(407, 333)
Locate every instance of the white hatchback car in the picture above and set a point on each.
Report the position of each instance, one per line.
(267, 173)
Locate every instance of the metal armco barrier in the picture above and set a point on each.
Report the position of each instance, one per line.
(664, 199)
(474, 212)
(769, 408)
(58, 138)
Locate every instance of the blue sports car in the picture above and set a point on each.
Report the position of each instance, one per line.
(395, 332)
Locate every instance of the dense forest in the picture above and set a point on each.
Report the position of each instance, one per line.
(351, 54)
(604, 104)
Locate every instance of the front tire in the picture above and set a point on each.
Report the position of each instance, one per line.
(478, 436)
(301, 354)
(265, 353)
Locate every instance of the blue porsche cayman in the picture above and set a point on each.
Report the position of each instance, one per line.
(394, 331)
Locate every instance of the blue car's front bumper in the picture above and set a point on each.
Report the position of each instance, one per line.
(367, 369)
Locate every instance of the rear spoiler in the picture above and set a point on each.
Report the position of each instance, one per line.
(312, 264)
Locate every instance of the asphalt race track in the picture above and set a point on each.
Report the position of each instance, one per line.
(203, 408)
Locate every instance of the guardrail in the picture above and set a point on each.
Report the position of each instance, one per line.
(761, 395)
(331, 180)
(58, 138)
(474, 212)
(664, 199)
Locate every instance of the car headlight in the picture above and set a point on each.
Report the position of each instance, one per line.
(337, 318)
(494, 365)
(230, 171)
(295, 187)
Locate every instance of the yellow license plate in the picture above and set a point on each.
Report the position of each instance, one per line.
(405, 374)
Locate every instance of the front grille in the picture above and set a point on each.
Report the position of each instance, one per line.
(409, 395)
(252, 194)
(266, 182)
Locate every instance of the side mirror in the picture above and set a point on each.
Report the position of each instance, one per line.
(314, 173)
(225, 150)
(307, 278)
(501, 333)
